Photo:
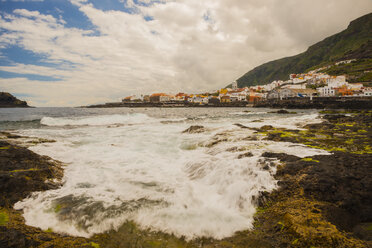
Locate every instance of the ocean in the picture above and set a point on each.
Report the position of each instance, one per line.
(138, 165)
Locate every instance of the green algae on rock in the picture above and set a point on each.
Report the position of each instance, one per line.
(4, 217)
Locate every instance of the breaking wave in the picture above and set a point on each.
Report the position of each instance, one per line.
(102, 120)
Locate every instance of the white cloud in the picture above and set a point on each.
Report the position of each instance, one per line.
(179, 50)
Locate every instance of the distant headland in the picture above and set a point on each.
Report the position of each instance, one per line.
(7, 100)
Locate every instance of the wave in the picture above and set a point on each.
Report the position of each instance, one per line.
(5, 125)
(248, 113)
(102, 120)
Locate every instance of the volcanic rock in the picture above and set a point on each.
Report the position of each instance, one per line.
(194, 129)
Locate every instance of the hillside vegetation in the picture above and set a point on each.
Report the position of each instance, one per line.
(353, 43)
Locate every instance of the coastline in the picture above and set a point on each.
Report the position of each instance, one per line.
(168, 105)
(317, 103)
(305, 211)
(289, 103)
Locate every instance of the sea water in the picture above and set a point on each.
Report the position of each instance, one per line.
(137, 165)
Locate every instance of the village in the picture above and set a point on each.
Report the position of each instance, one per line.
(306, 85)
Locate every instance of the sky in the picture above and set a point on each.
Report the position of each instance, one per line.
(81, 52)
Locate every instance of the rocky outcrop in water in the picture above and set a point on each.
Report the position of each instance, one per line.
(194, 129)
(282, 111)
(9, 101)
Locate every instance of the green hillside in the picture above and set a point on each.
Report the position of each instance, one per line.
(353, 43)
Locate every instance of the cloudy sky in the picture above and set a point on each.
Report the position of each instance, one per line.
(79, 52)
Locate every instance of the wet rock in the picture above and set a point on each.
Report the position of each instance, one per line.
(216, 142)
(281, 156)
(324, 126)
(240, 125)
(266, 128)
(41, 141)
(343, 179)
(334, 117)
(10, 135)
(194, 129)
(363, 231)
(282, 111)
(23, 172)
(245, 155)
(44, 237)
(236, 149)
(14, 238)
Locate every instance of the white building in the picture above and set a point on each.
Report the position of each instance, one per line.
(367, 92)
(298, 80)
(294, 86)
(284, 93)
(164, 98)
(238, 96)
(274, 94)
(355, 86)
(272, 85)
(337, 82)
(321, 76)
(326, 91)
(234, 85)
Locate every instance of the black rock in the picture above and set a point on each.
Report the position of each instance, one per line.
(245, 155)
(240, 125)
(194, 129)
(23, 172)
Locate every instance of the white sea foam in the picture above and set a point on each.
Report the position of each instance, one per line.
(96, 120)
(248, 113)
(294, 122)
(155, 175)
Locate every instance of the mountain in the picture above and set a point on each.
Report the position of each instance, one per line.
(353, 43)
(7, 100)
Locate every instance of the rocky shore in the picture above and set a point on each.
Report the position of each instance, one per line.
(322, 201)
(317, 103)
(21, 173)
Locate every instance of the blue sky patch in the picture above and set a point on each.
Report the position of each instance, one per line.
(6, 74)
(15, 54)
(57, 8)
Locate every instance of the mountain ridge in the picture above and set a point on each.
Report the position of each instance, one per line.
(355, 42)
